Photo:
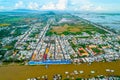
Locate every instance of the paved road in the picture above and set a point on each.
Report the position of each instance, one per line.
(42, 34)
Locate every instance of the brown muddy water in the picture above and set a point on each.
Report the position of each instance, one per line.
(22, 72)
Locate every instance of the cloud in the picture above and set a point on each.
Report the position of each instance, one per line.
(61, 5)
(99, 8)
(86, 5)
(19, 4)
(76, 5)
(2, 7)
(49, 6)
(33, 6)
(91, 7)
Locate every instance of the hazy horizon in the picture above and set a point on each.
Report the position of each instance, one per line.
(62, 5)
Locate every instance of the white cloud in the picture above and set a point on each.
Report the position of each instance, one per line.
(77, 5)
(2, 7)
(86, 5)
(91, 7)
(99, 8)
(19, 4)
(49, 6)
(30, 5)
(61, 5)
(33, 6)
(79, 2)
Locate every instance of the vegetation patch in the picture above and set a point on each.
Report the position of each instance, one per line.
(4, 25)
(75, 29)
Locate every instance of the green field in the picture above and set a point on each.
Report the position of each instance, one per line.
(4, 25)
(74, 29)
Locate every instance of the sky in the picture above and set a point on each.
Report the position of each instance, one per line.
(69, 5)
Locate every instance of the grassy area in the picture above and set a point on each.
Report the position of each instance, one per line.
(24, 72)
(4, 25)
(8, 47)
(74, 29)
(119, 42)
(81, 51)
(84, 37)
(66, 29)
(59, 30)
(96, 50)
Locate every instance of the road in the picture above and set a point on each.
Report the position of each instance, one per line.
(42, 35)
(99, 26)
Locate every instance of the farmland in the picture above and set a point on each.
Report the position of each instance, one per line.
(76, 28)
